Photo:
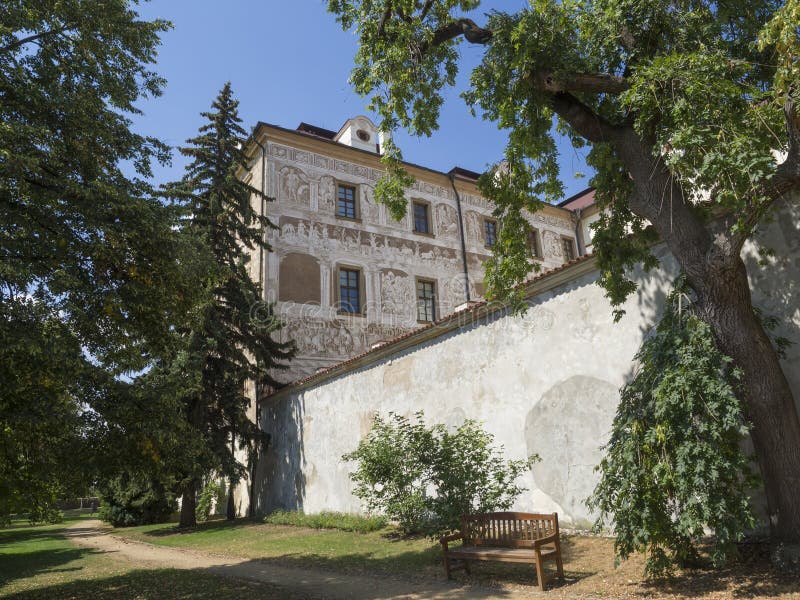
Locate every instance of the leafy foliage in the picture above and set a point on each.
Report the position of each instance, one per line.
(130, 500)
(703, 84)
(210, 495)
(426, 478)
(224, 346)
(92, 271)
(674, 466)
(328, 520)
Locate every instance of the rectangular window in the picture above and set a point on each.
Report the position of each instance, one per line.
(346, 202)
(489, 232)
(568, 244)
(535, 243)
(426, 301)
(422, 222)
(349, 291)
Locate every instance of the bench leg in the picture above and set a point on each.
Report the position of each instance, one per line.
(466, 567)
(447, 565)
(560, 564)
(539, 569)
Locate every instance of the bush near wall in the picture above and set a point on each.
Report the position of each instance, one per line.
(426, 478)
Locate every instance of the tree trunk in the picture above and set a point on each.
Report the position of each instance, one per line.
(725, 303)
(230, 513)
(189, 506)
(716, 272)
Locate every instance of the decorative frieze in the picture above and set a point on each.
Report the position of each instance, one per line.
(339, 242)
(336, 337)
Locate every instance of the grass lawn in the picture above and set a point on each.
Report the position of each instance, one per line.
(589, 561)
(39, 562)
(375, 552)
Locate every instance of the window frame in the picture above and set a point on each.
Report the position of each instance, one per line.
(428, 221)
(486, 221)
(434, 309)
(573, 249)
(356, 208)
(360, 290)
(536, 236)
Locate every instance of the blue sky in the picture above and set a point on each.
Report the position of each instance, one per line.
(289, 61)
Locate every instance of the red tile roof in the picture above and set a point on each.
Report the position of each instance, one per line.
(317, 131)
(579, 200)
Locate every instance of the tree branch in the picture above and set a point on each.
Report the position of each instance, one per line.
(384, 17)
(425, 10)
(581, 82)
(31, 38)
(466, 27)
(583, 119)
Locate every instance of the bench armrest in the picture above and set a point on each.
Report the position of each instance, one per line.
(550, 539)
(449, 538)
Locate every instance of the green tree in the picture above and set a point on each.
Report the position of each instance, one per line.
(226, 346)
(91, 272)
(674, 465)
(129, 501)
(682, 104)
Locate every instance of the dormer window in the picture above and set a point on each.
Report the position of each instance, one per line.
(360, 132)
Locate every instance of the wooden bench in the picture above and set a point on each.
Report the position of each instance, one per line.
(507, 537)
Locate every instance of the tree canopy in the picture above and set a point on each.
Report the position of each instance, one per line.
(92, 272)
(690, 113)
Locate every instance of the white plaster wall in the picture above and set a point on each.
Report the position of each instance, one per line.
(546, 382)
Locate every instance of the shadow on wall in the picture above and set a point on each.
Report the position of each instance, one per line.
(280, 478)
(776, 284)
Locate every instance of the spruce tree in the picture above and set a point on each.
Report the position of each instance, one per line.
(224, 346)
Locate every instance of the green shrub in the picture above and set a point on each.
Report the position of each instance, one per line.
(426, 478)
(674, 467)
(132, 500)
(206, 500)
(328, 520)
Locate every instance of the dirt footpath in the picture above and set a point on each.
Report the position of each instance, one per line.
(305, 583)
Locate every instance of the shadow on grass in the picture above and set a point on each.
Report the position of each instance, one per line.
(214, 525)
(158, 583)
(23, 555)
(30, 564)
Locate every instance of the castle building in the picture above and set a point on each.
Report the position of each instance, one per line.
(343, 273)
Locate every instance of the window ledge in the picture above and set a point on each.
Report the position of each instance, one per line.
(351, 219)
(344, 313)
